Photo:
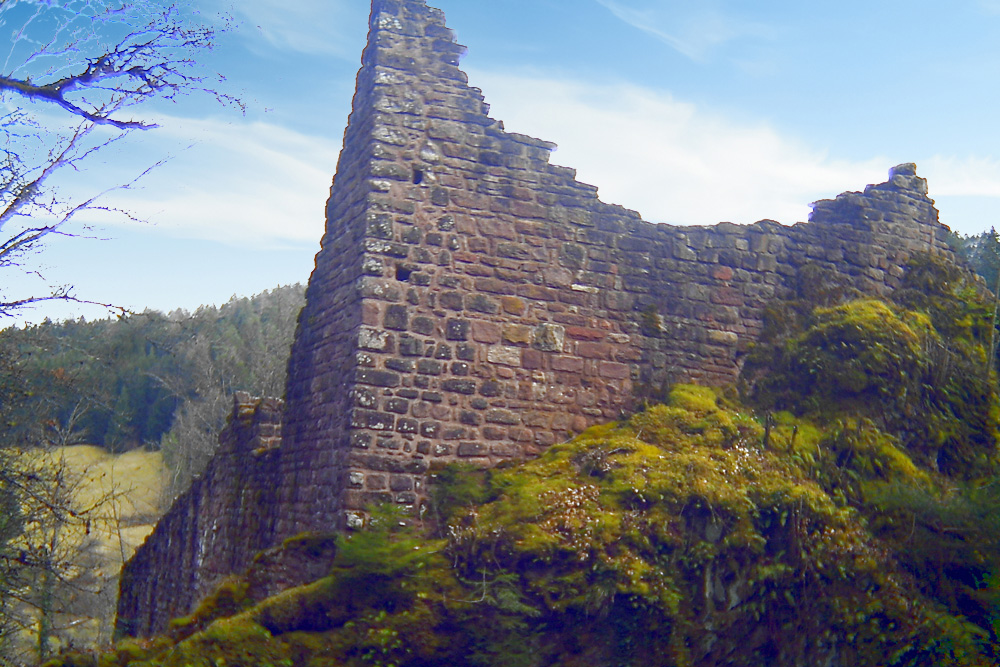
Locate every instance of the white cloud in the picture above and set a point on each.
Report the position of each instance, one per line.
(671, 160)
(304, 26)
(990, 6)
(962, 177)
(243, 184)
(966, 189)
(695, 34)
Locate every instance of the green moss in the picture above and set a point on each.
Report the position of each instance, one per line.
(457, 486)
(231, 642)
(916, 367)
(312, 544)
(229, 598)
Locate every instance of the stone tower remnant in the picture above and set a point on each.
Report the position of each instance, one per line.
(474, 302)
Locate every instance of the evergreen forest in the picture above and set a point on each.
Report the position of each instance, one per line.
(150, 380)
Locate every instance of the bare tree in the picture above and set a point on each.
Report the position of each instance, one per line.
(243, 346)
(53, 582)
(81, 76)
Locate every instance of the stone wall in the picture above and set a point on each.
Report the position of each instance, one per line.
(212, 530)
(472, 301)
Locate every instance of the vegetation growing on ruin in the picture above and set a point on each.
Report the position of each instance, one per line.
(843, 507)
(691, 532)
(919, 365)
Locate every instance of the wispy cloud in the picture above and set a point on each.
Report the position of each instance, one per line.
(971, 176)
(249, 184)
(695, 33)
(303, 26)
(259, 184)
(671, 160)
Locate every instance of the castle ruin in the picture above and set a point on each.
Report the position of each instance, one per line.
(473, 302)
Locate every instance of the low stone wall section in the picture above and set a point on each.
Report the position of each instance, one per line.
(212, 530)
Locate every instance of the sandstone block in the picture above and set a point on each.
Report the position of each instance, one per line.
(458, 386)
(548, 337)
(396, 317)
(491, 388)
(584, 333)
(374, 339)
(613, 370)
(469, 449)
(378, 378)
(513, 305)
(482, 304)
(375, 421)
(485, 332)
(457, 329)
(537, 292)
(422, 325)
(589, 350)
(429, 367)
(507, 356)
(517, 334)
(532, 359)
(567, 364)
(502, 417)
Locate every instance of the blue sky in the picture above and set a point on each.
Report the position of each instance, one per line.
(691, 113)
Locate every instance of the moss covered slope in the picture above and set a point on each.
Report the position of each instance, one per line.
(691, 534)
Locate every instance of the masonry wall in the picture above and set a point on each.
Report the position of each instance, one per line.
(472, 301)
(213, 530)
(492, 305)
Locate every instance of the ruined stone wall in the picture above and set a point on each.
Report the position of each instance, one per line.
(499, 305)
(212, 530)
(474, 302)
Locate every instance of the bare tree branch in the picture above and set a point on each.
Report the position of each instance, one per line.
(78, 79)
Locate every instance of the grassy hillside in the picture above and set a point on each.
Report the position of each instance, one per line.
(90, 512)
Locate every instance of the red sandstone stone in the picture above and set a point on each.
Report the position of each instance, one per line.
(583, 333)
(370, 313)
(569, 364)
(513, 305)
(727, 296)
(589, 350)
(537, 292)
(465, 257)
(722, 273)
(517, 334)
(532, 360)
(485, 332)
(610, 369)
(493, 285)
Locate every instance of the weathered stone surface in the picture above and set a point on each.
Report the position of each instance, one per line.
(473, 301)
(215, 528)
